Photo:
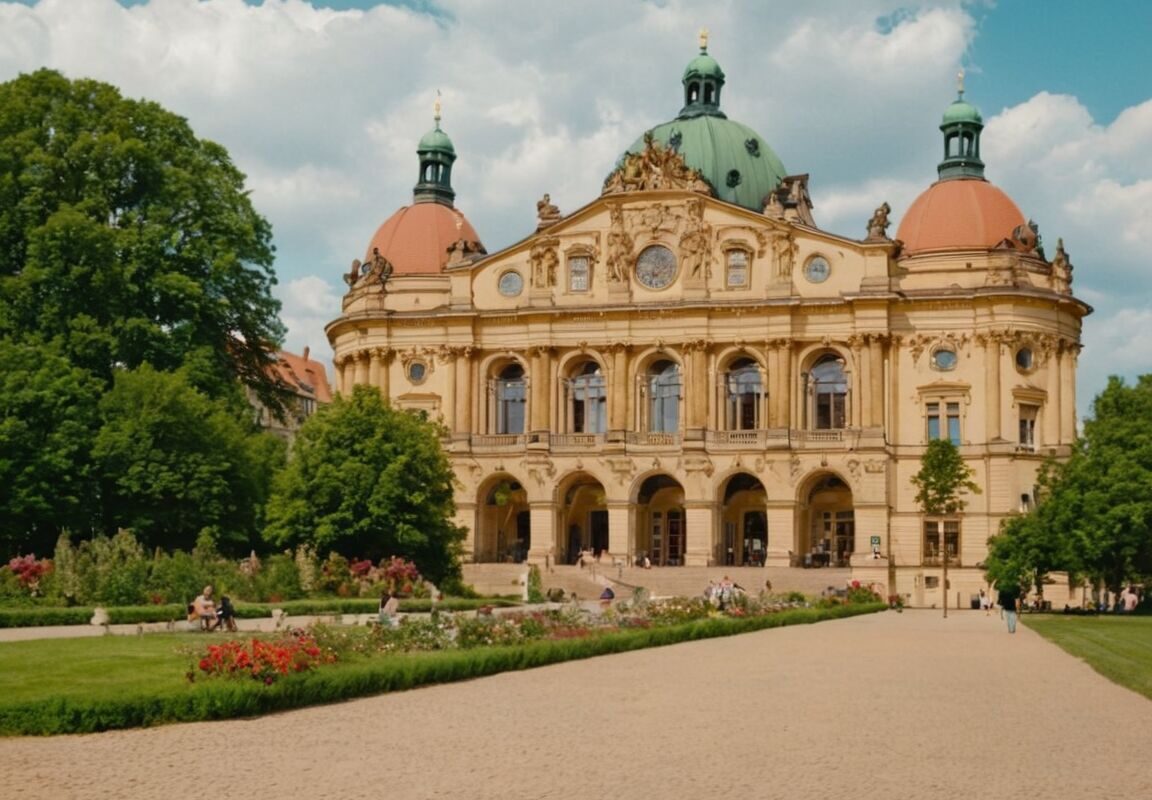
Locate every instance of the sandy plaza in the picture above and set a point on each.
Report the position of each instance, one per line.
(881, 706)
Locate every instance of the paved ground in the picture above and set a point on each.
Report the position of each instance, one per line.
(886, 706)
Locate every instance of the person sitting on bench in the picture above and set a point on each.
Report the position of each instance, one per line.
(204, 610)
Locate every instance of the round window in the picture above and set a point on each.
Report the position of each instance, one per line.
(944, 359)
(511, 283)
(417, 371)
(1024, 359)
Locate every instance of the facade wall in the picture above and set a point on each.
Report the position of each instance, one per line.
(673, 463)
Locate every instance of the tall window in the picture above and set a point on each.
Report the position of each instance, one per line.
(511, 394)
(578, 274)
(933, 530)
(589, 400)
(1028, 414)
(737, 269)
(743, 393)
(943, 420)
(830, 387)
(664, 397)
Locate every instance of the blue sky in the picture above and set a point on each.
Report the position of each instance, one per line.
(321, 105)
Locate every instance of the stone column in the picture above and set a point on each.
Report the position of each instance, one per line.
(374, 359)
(781, 536)
(621, 542)
(1068, 392)
(892, 420)
(362, 366)
(1053, 411)
(542, 518)
(618, 399)
(856, 382)
(466, 391)
(876, 380)
(447, 358)
(386, 357)
(991, 342)
(696, 386)
(699, 532)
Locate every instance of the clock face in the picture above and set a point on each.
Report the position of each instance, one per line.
(817, 269)
(656, 267)
(511, 284)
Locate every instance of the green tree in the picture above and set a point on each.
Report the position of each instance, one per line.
(174, 463)
(48, 418)
(367, 480)
(942, 479)
(1094, 512)
(128, 240)
(940, 483)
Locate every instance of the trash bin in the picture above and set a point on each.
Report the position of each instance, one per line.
(974, 602)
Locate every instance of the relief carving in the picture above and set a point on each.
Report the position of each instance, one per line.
(696, 242)
(544, 258)
(620, 246)
(655, 167)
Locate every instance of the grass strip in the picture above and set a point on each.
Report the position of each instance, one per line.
(1118, 647)
(148, 691)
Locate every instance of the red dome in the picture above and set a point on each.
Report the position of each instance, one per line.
(959, 214)
(416, 239)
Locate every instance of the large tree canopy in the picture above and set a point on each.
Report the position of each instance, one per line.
(173, 462)
(368, 480)
(1094, 512)
(128, 240)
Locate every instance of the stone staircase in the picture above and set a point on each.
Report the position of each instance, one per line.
(587, 582)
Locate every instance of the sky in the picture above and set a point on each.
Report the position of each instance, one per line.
(321, 105)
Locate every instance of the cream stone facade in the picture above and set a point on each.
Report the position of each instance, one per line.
(673, 373)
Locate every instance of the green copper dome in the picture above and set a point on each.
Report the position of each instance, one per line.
(437, 140)
(733, 158)
(961, 111)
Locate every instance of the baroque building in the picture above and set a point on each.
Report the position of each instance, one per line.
(688, 370)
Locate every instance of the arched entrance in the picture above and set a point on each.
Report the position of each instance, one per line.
(660, 530)
(583, 519)
(504, 524)
(826, 524)
(743, 522)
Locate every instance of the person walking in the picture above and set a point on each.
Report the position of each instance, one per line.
(1010, 601)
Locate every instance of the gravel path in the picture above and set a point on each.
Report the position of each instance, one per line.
(888, 706)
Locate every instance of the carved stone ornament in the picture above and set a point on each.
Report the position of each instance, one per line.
(655, 167)
(696, 242)
(620, 246)
(464, 251)
(622, 466)
(878, 225)
(545, 258)
(697, 463)
(540, 468)
(374, 272)
(546, 213)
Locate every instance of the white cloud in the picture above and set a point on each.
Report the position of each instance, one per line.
(322, 110)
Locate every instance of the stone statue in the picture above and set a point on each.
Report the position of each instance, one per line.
(695, 242)
(353, 274)
(546, 213)
(619, 246)
(784, 249)
(878, 225)
(544, 262)
(377, 267)
(655, 167)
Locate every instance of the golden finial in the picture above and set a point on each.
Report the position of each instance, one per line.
(436, 109)
(960, 82)
(703, 40)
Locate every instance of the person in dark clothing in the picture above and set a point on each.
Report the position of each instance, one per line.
(226, 614)
(1009, 600)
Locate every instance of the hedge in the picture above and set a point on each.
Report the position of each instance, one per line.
(225, 699)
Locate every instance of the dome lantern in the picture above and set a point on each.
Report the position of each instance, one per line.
(961, 126)
(436, 157)
(703, 79)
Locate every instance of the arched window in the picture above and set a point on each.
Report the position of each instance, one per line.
(830, 393)
(511, 394)
(664, 397)
(743, 396)
(588, 400)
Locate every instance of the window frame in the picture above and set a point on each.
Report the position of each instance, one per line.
(936, 530)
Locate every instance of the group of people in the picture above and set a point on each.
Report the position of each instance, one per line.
(723, 593)
(204, 612)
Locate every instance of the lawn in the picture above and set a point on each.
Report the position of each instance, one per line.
(1118, 647)
(100, 668)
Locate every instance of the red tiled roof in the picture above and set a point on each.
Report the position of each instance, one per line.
(415, 239)
(959, 214)
(304, 376)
